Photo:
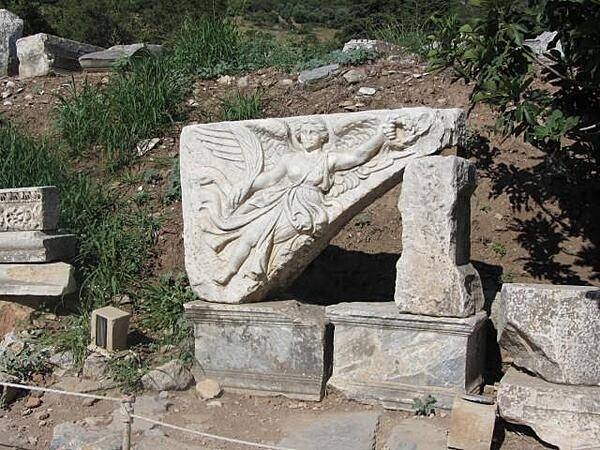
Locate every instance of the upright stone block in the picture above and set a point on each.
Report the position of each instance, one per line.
(565, 416)
(42, 54)
(272, 348)
(29, 209)
(36, 247)
(386, 357)
(262, 198)
(11, 29)
(553, 331)
(434, 275)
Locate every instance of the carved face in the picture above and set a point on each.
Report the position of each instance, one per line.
(312, 136)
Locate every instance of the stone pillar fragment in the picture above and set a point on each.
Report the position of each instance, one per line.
(434, 275)
(11, 29)
(553, 331)
(42, 54)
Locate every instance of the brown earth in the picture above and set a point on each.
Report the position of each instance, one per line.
(530, 222)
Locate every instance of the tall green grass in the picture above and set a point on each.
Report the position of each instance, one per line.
(142, 98)
(241, 106)
(115, 236)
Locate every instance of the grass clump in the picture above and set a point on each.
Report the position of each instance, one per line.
(160, 307)
(241, 106)
(142, 98)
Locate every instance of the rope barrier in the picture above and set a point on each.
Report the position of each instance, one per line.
(127, 405)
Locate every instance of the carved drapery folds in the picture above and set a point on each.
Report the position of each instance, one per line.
(262, 198)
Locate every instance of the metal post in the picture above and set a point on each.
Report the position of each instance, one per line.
(127, 410)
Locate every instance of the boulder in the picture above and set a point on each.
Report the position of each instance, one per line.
(172, 376)
(319, 73)
(106, 59)
(553, 331)
(11, 29)
(355, 76)
(371, 45)
(565, 416)
(43, 54)
(434, 273)
(262, 198)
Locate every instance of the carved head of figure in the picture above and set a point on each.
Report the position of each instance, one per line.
(312, 135)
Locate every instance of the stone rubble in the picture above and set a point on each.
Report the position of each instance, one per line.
(172, 376)
(104, 60)
(11, 29)
(42, 54)
(319, 73)
(553, 331)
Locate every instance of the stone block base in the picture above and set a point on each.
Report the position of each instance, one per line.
(21, 281)
(563, 415)
(36, 247)
(271, 348)
(382, 356)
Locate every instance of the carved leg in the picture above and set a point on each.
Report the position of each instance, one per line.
(236, 260)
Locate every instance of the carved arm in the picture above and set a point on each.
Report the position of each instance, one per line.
(345, 161)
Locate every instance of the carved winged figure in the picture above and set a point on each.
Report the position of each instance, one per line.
(290, 174)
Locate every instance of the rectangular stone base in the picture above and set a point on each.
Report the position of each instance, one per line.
(563, 415)
(382, 356)
(271, 348)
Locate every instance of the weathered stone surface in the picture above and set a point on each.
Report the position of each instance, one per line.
(36, 280)
(208, 389)
(106, 59)
(355, 75)
(74, 436)
(262, 198)
(29, 209)
(172, 376)
(42, 54)
(367, 91)
(273, 348)
(95, 367)
(434, 275)
(11, 29)
(565, 416)
(472, 425)
(36, 247)
(368, 45)
(416, 434)
(8, 394)
(341, 431)
(320, 73)
(383, 356)
(553, 331)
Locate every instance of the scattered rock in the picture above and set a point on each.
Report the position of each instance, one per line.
(342, 431)
(214, 404)
(320, 73)
(146, 146)
(42, 416)
(286, 82)
(6, 94)
(368, 91)
(8, 393)
(415, 434)
(95, 367)
(146, 405)
(367, 45)
(33, 402)
(208, 389)
(225, 80)
(122, 300)
(87, 402)
(63, 360)
(243, 82)
(355, 76)
(172, 376)
(70, 435)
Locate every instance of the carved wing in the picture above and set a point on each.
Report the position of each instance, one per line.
(347, 137)
(274, 136)
(237, 145)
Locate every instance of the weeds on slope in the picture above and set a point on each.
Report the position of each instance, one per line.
(241, 106)
(115, 236)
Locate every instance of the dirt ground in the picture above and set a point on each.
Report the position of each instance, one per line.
(528, 225)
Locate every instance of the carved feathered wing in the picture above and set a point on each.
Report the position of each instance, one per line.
(348, 137)
(274, 136)
(239, 146)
